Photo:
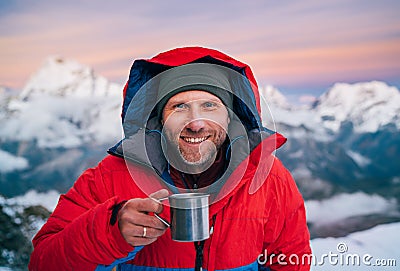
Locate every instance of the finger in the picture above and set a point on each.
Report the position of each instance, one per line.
(142, 205)
(152, 232)
(139, 241)
(145, 220)
(135, 233)
(139, 231)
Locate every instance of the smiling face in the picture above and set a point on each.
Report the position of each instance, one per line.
(195, 124)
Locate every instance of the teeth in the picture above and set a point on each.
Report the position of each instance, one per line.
(194, 139)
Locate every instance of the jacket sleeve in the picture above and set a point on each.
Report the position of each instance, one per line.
(78, 235)
(291, 249)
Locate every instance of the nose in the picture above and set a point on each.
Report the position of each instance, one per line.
(196, 125)
(196, 121)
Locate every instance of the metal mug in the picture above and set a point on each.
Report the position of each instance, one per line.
(189, 216)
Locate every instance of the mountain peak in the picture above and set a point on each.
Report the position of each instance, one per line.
(369, 105)
(63, 77)
(352, 94)
(273, 96)
(69, 104)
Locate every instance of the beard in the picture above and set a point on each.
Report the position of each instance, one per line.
(196, 159)
(205, 154)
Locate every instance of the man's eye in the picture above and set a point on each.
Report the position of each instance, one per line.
(180, 106)
(209, 104)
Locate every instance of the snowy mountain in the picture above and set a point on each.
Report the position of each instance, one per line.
(67, 78)
(272, 97)
(347, 140)
(4, 94)
(64, 104)
(369, 106)
(63, 120)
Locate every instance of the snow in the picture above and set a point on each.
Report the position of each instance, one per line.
(369, 105)
(272, 96)
(275, 109)
(359, 159)
(48, 199)
(371, 247)
(337, 207)
(65, 105)
(62, 77)
(10, 162)
(306, 122)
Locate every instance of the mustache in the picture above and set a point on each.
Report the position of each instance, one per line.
(196, 134)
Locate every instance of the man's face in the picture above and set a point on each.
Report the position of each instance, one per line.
(195, 123)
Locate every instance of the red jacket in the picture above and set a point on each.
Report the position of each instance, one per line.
(258, 215)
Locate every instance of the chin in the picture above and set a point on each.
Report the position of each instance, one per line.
(204, 161)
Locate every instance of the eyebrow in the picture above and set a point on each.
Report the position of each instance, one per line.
(183, 101)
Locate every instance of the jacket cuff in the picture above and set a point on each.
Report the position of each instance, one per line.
(120, 242)
(114, 212)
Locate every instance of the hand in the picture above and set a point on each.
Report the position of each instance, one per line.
(138, 227)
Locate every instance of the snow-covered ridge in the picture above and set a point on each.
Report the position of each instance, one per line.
(369, 105)
(48, 199)
(273, 97)
(62, 77)
(64, 104)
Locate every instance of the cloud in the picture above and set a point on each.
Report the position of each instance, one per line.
(307, 99)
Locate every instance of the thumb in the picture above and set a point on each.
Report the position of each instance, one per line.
(157, 197)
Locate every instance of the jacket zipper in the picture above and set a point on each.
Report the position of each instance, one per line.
(214, 217)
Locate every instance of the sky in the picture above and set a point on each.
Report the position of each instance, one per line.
(300, 47)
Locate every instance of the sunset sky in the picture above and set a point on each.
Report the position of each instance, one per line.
(300, 47)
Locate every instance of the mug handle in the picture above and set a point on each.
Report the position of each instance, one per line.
(166, 223)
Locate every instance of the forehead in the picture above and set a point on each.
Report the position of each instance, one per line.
(193, 95)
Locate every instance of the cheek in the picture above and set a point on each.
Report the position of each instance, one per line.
(173, 122)
(222, 118)
(169, 129)
(172, 131)
(223, 123)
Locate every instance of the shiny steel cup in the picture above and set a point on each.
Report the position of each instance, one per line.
(189, 217)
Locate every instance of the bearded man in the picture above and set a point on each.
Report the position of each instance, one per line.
(192, 123)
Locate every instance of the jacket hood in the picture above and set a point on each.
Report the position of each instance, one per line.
(141, 124)
(143, 70)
